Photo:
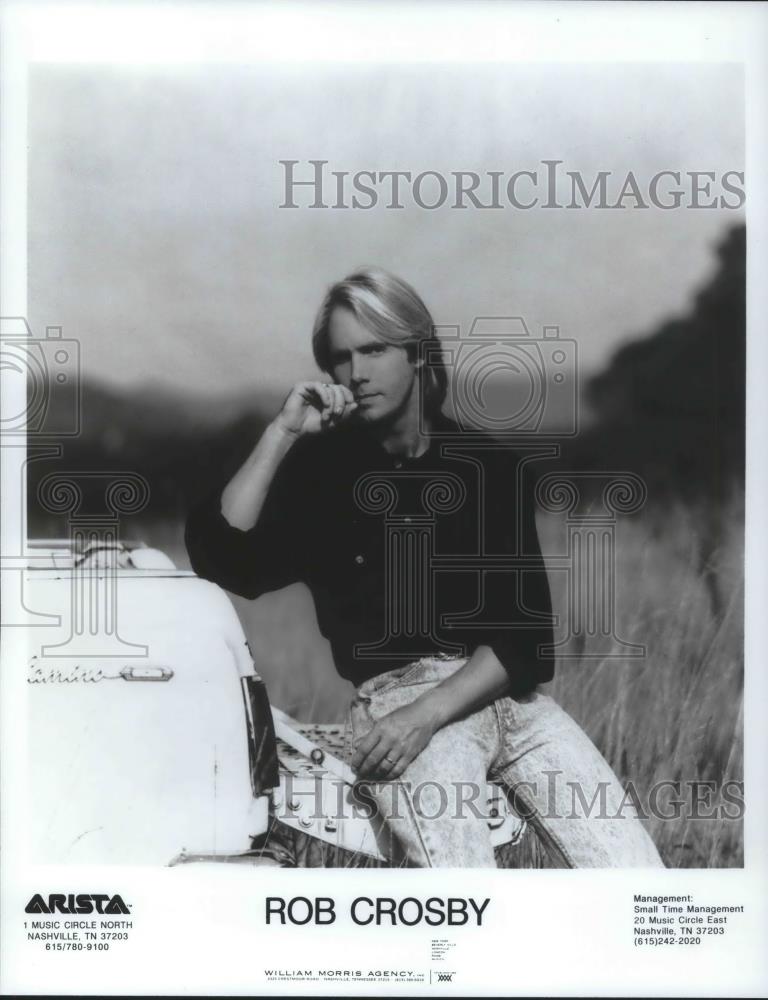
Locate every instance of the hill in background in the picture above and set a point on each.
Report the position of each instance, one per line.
(670, 406)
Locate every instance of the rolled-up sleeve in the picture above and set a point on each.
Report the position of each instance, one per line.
(517, 600)
(266, 557)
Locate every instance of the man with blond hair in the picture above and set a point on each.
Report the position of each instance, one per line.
(447, 665)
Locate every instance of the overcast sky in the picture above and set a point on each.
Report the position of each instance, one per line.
(157, 240)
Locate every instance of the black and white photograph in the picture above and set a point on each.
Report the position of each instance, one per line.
(375, 489)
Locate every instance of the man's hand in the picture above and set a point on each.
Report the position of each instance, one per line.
(398, 738)
(395, 740)
(312, 407)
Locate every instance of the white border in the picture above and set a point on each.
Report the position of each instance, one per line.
(561, 933)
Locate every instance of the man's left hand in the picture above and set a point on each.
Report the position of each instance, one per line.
(395, 740)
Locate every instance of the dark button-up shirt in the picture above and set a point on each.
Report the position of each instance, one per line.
(405, 557)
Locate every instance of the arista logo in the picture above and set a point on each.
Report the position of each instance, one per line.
(84, 902)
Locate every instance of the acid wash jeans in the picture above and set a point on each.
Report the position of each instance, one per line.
(560, 782)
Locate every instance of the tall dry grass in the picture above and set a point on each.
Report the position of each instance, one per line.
(674, 715)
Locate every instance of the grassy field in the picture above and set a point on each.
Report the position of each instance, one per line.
(674, 715)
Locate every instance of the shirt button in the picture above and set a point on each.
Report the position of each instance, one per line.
(359, 560)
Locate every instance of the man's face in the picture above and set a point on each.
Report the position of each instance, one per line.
(380, 375)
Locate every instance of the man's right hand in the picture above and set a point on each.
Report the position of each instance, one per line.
(313, 407)
(310, 407)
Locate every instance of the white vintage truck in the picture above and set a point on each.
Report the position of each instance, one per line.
(151, 739)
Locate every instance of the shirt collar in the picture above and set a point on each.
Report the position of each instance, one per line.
(441, 425)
